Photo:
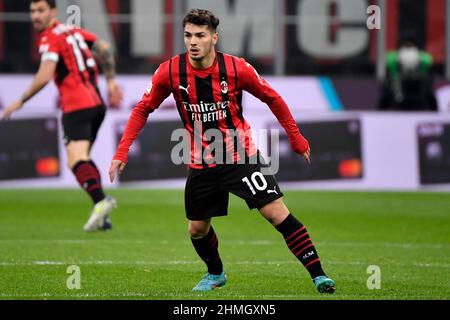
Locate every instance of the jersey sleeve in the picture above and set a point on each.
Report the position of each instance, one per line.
(157, 91)
(49, 49)
(250, 81)
(88, 37)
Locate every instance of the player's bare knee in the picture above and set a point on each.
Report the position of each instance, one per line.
(198, 230)
(272, 207)
(197, 234)
(73, 160)
(70, 161)
(275, 212)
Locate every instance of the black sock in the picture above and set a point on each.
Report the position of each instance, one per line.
(207, 249)
(89, 179)
(300, 244)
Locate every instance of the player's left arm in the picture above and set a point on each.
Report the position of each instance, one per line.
(45, 73)
(103, 53)
(251, 81)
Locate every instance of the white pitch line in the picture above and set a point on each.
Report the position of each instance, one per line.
(99, 262)
(85, 295)
(190, 262)
(191, 295)
(129, 295)
(226, 242)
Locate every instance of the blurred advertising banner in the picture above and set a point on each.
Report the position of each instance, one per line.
(29, 149)
(350, 149)
(336, 144)
(150, 156)
(433, 139)
(335, 152)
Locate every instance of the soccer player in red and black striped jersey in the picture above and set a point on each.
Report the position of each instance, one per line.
(69, 54)
(207, 86)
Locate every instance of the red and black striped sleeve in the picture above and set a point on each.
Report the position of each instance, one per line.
(158, 90)
(252, 82)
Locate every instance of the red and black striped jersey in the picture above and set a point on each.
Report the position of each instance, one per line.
(76, 71)
(211, 99)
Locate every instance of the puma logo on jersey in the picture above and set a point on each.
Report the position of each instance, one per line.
(185, 89)
(272, 191)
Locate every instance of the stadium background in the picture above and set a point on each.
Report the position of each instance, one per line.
(321, 57)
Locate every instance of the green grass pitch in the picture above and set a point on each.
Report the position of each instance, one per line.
(148, 254)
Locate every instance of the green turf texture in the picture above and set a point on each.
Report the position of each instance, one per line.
(148, 254)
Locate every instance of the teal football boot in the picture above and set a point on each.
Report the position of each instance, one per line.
(210, 282)
(324, 284)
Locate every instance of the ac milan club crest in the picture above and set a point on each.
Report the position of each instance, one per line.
(224, 87)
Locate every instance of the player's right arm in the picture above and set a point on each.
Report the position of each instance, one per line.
(158, 90)
(43, 76)
(49, 50)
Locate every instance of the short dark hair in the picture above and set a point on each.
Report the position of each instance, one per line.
(51, 3)
(201, 17)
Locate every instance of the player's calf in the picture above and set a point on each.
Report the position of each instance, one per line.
(300, 244)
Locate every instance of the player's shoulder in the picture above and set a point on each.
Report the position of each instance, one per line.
(63, 30)
(162, 72)
(167, 64)
(241, 64)
(88, 36)
(48, 42)
(55, 33)
(236, 59)
(60, 29)
(163, 67)
(47, 36)
(174, 59)
(230, 56)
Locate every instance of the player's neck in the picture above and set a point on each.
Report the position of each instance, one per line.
(50, 24)
(204, 63)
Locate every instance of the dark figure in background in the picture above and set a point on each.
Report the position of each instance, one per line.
(409, 83)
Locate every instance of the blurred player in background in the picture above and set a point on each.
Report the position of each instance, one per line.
(69, 54)
(409, 81)
(207, 86)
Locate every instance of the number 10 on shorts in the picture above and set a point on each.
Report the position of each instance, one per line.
(257, 181)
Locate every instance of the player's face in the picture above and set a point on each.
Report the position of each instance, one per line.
(42, 15)
(199, 41)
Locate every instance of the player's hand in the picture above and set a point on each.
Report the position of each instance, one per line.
(115, 93)
(116, 165)
(307, 156)
(13, 107)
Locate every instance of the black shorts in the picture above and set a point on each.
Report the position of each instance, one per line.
(83, 124)
(207, 190)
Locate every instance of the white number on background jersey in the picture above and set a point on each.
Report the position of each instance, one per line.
(77, 42)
